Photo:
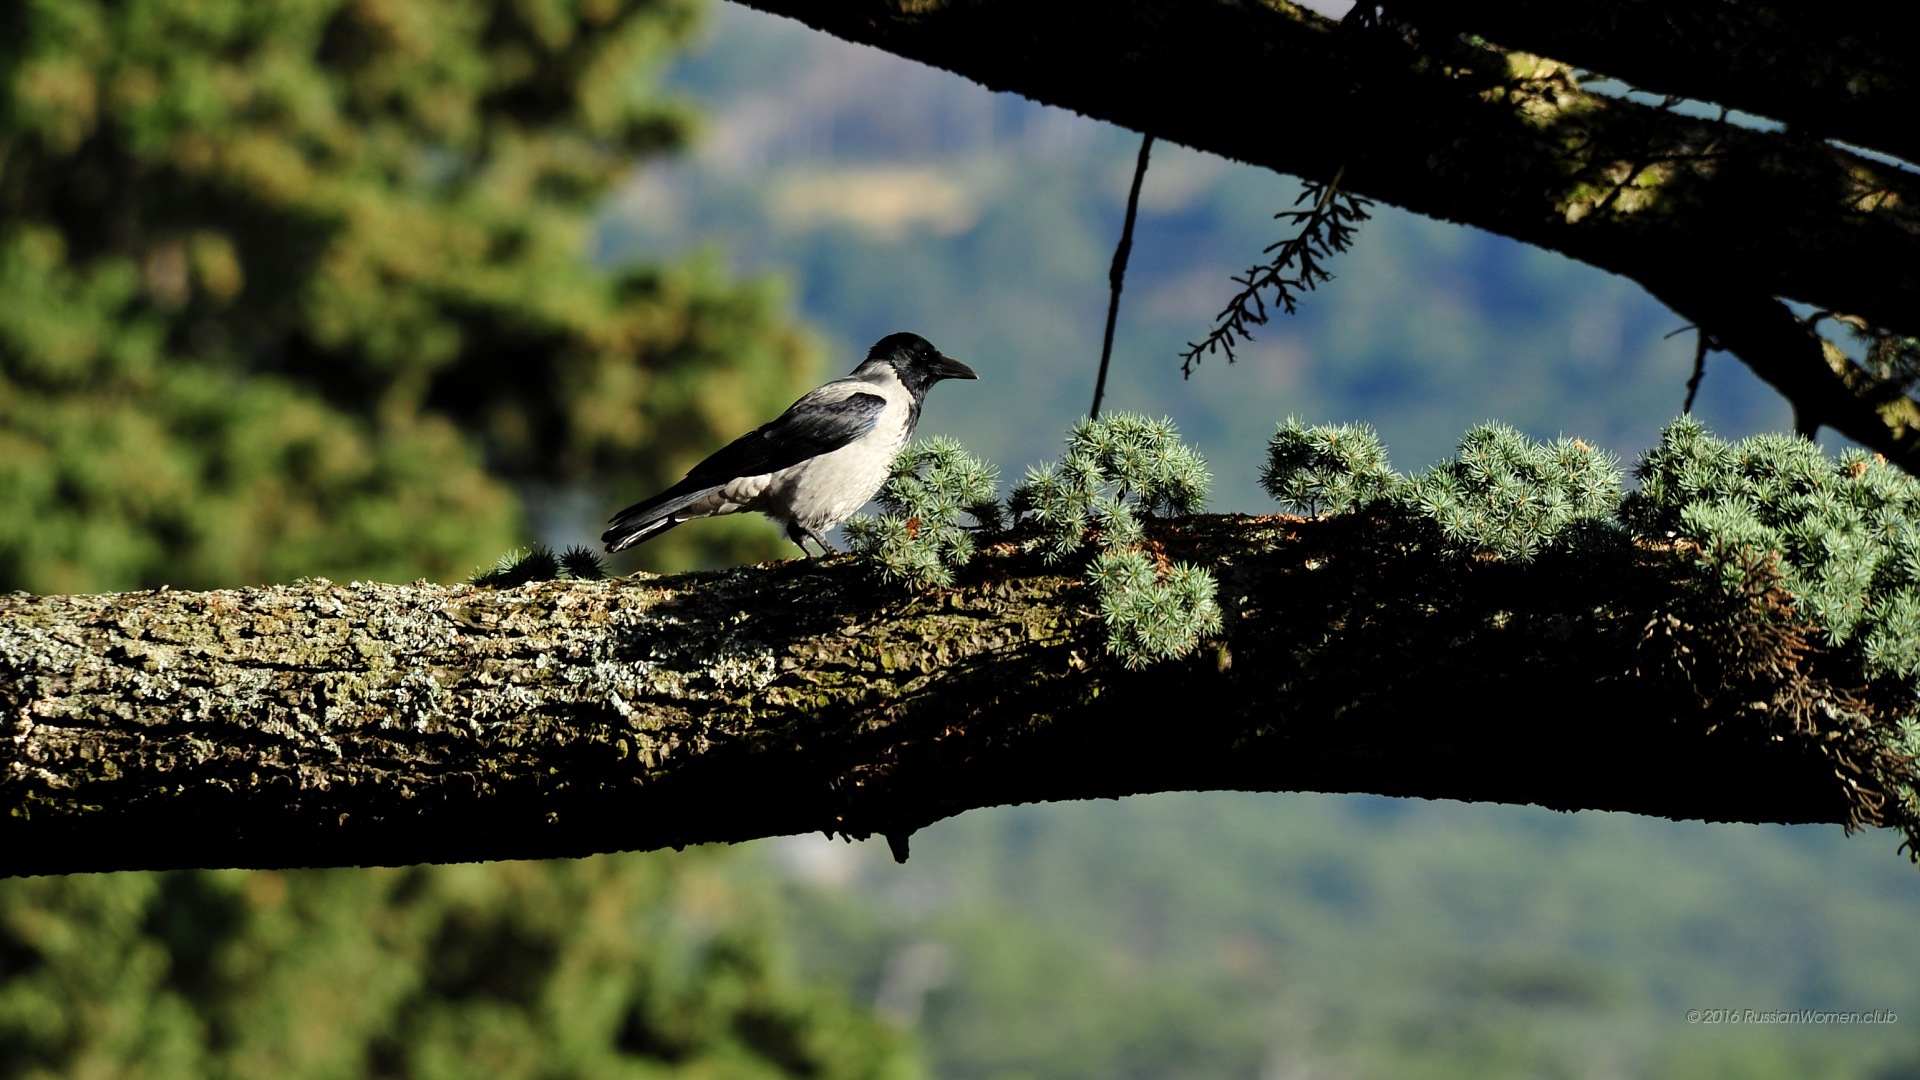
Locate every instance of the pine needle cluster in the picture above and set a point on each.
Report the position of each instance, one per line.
(919, 541)
(1507, 495)
(1117, 470)
(1329, 468)
(539, 563)
(1844, 533)
(1841, 534)
(1090, 505)
(1503, 494)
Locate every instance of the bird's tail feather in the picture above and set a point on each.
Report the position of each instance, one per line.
(622, 537)
(645, 520)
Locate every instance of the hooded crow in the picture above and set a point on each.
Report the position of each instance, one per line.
(818, 463)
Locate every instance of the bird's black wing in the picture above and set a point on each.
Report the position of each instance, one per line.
(816, 424)
(821, 422)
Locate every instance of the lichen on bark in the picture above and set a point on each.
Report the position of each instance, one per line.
(324, 724)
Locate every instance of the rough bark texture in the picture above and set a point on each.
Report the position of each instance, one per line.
(1717, 220)
(322, 724)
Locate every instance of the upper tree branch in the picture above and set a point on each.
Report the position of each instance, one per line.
(322, 724)
(1844, 76)
(1716, 218)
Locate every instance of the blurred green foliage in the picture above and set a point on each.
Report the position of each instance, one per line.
(618, 966)
(1225, 934)
(300, 287)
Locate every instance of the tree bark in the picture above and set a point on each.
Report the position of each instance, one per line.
(1717, 220)
(1851, 79)
(322, 724)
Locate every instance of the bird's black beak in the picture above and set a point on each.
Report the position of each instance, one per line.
(946, 367)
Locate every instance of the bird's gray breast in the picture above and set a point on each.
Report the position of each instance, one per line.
(824, 491)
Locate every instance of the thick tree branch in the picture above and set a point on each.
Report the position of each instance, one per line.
(1716, 218)
(1848, 77)
(320, 724)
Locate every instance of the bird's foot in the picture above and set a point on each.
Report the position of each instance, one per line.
(800, 536)
(807, 535)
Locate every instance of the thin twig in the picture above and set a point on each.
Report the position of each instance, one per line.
(1325, 229)
(1703, 342)
(1117, 273)
(1699, 368)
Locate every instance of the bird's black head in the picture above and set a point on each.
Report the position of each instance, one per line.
(917, 362)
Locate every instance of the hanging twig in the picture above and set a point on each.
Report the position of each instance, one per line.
(1117, 273)
(1326, 228)
(1702, 342)
(1700, 345)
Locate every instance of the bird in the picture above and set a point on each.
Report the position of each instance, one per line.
(815, 464)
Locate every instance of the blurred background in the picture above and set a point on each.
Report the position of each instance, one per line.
(381, 288)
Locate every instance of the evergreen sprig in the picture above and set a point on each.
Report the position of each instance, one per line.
(1845, 531)
(539, 563)
(1328, 468)
(1502, 494)
(1118, 469)
(1153, 615)
(1294, 266)
(1506, 495)
(918, 541)
(1841, 534)
(583, 564)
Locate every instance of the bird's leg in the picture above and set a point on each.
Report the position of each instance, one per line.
(800, 534)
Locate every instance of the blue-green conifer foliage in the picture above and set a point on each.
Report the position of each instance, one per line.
(1840, 534)
(1090, 506)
